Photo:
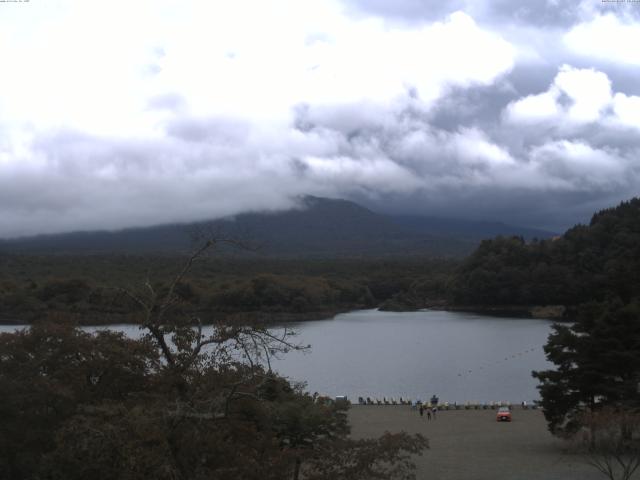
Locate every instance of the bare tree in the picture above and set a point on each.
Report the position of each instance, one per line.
(180, 335)
(610, 441)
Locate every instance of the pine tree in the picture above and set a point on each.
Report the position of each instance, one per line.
(597, 364)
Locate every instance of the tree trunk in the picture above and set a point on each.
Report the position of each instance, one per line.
(296, 469)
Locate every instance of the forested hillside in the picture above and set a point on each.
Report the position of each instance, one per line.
(589, 262)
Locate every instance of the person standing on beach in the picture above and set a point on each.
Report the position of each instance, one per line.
(428, 414)
(434, 410)
(421, 410)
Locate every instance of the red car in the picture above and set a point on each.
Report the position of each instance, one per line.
(504, 414)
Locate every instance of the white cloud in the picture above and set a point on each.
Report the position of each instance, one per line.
(92, 68)
(472, 146)
(372, 175)
(607, 38)
(588, 92)
(535, 108)
(330, 62)
(627, 110)
(575, 100)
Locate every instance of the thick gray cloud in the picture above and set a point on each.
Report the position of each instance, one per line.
(544, 14)
(502, 110)
(172, 102)
(104, 183)
(547, 178)
(407, 10)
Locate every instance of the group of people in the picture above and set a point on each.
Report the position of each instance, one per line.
(431, 411)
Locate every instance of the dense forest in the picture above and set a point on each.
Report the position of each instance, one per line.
(89, 288)
(598, 261)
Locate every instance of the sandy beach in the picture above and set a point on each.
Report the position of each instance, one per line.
(471, 445)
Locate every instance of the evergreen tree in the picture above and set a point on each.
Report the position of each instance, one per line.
(597, 364)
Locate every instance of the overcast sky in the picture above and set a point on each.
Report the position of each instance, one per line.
(120, 113)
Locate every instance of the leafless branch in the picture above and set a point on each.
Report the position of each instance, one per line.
(257, 344)
(610, 442)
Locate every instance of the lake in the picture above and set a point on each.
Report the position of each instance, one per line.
(458, 356)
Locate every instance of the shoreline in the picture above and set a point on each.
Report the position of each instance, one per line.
(541, 312)
(556, 313)
(248, 318)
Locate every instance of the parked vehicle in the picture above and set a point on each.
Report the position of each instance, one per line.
(503, 415)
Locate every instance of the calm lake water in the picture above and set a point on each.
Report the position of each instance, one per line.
(457, 356)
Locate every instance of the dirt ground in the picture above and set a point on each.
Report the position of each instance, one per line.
(471, 445)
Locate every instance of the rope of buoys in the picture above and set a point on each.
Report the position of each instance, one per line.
(507, 358)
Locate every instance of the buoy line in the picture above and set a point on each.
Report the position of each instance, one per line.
(497, 362)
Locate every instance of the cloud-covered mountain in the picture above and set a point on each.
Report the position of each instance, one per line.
(318, 227)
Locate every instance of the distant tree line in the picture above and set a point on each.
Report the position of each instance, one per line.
(86, 287)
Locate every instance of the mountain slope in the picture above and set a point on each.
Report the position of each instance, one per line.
(321, 227)
(467, 229)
